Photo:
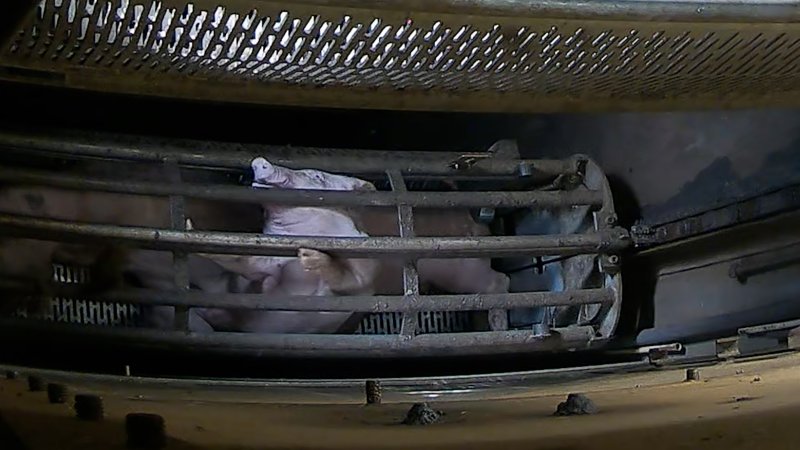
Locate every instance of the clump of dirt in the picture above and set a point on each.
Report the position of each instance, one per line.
(576, 405)
(422, 414)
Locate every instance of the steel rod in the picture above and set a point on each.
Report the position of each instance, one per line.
(303, 197)
(492, 342)
(405, 223)
(180, 259)
(258, 244)
(368, 304)
(238, 156)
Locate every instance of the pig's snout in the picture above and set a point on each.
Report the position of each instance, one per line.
(263, 170)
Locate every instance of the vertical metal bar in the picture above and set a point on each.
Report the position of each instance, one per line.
(180, 259)
(405, 218)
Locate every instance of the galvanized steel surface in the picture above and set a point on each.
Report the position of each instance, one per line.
(441, 55)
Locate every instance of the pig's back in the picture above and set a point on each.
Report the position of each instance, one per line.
(427, 222)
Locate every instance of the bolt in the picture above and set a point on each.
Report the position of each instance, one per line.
(613, 259)
(486, 215)
(56, 393)
(525, 169)
(374, 392)
(89, 407)
(35, 384)
(692, 374)
(12, 375)
(611, 219)
(145, 430)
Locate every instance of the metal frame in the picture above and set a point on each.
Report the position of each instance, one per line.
(541, 55)
(606, 239)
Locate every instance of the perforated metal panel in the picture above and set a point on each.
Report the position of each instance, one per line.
(405, 58)
(427, 322)
(81, 311)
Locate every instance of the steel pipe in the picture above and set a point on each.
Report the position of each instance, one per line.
(304, 197)
(367, 303)
(239, 156)
(316, 345)
(257, 244)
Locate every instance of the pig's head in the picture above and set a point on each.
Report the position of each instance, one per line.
(268, 175)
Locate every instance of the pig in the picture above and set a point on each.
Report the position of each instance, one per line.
(32, 259)
(457, 276)
(316, 273)
(312, 272)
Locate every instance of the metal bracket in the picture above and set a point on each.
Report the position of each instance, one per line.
(505, 149)
(727, 348)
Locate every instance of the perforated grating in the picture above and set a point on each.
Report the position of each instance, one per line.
(86, 312)
(427, 322)
(559, 62)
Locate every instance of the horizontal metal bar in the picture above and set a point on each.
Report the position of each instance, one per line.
(258, 244)
(303, 197)
(491, 384)
(765, 262)
(781, 11)
(370, 304)
(239, 156)
(309, 345)
(783, 200)
(769, 328)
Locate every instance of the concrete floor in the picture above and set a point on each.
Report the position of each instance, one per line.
(736, 406)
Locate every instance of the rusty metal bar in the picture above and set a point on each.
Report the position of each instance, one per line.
(405, 220)
(180, 259)
(239, 156)
(303, 197)
(369, 304)
(313, 345)
(355, 247)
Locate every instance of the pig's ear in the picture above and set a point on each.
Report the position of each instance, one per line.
(366, 186)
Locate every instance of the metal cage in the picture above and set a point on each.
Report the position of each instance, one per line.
(471, 55)
(568, 185)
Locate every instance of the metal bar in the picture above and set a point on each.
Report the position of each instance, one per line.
(304, 197)
(779, 11)
(221, 155)
(780, 201)
(769, 328)
(351, 247)
(405, 220)
(313, 345)
(765, 262)
(180, 259)
(371, 304)
(368, 303)
(261, 386)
